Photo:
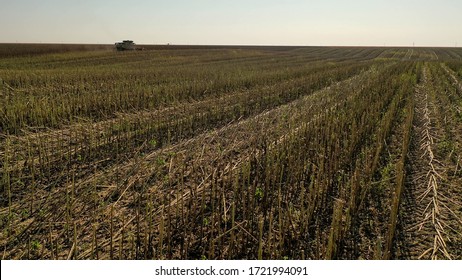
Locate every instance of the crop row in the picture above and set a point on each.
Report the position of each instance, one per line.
(43, 158)
(204, 199)
(232, 153)
(52, 98)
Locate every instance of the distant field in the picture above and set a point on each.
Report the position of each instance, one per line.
(230, 152)
(15, 50)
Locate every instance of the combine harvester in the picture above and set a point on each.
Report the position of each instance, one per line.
(127, 45)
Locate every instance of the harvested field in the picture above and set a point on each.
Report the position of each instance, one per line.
(196, 152)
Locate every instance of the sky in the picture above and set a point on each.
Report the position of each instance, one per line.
(234, 22)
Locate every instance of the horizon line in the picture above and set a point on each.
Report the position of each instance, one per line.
(233, 45)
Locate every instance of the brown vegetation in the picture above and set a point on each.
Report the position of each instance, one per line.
(231, 153)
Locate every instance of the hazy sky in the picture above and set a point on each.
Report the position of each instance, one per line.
(262, 22)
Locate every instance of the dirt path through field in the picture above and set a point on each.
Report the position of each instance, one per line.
(428, 211)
